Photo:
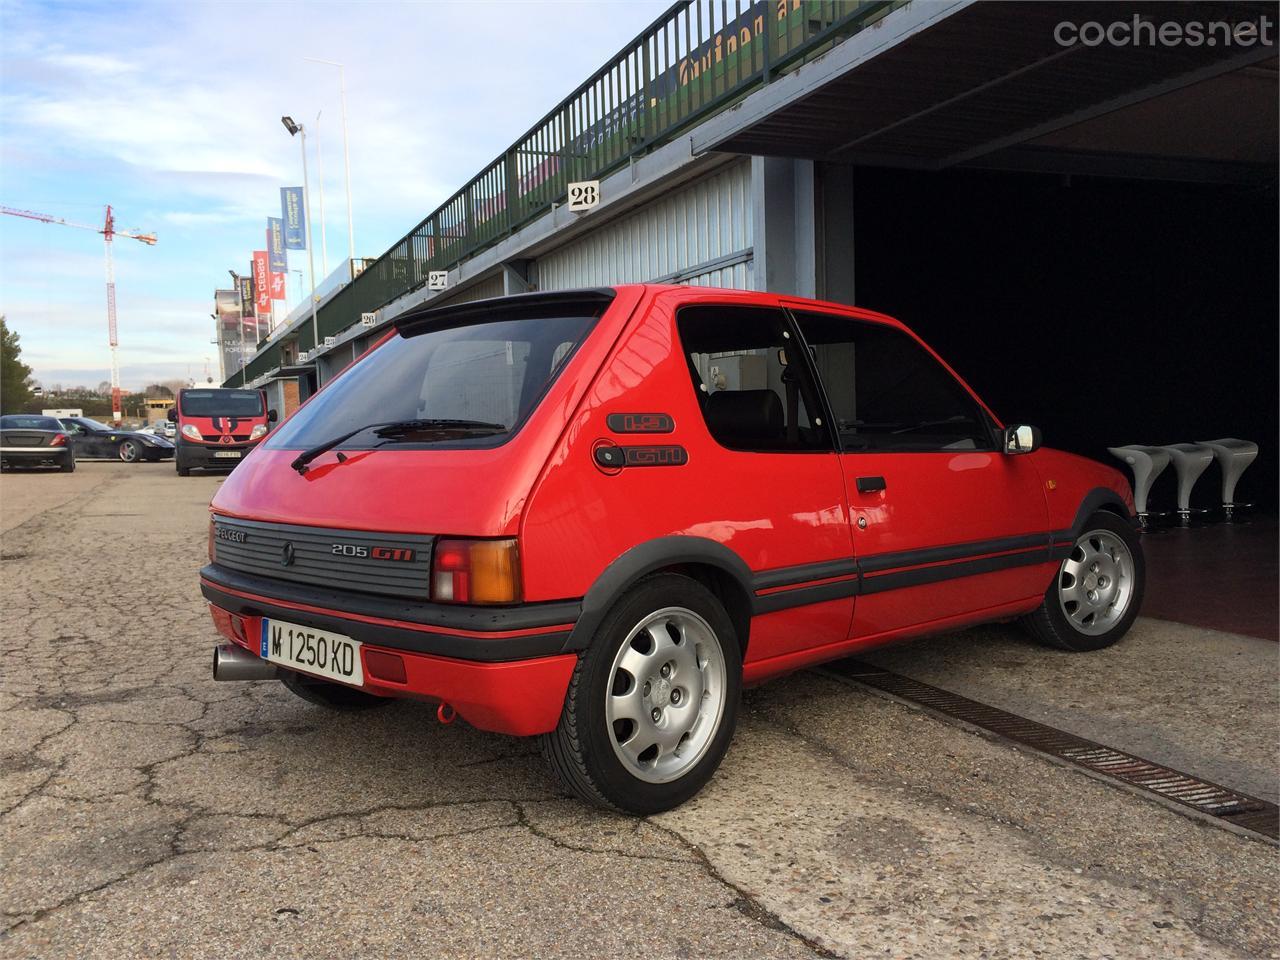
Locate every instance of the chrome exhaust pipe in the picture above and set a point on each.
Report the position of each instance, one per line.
(232, 663)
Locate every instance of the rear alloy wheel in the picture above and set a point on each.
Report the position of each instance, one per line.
(332, 696)
(653, 702)
(1097, 592)
(129, 451)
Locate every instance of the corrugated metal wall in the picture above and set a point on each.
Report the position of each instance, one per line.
(486, 288)
(703, 224)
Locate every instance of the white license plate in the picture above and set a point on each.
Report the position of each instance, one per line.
(229, 454)
(313, 651)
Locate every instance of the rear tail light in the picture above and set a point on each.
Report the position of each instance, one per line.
(59, 440)
(475, 571)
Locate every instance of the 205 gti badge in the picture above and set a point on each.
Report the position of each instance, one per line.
(401, 554)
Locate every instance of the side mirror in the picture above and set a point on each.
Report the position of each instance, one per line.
(1022, 439)
(173, 415)
(272, 416)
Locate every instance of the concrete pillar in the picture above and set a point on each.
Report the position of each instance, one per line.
(783, 234)
(517, 277)
(835, 253)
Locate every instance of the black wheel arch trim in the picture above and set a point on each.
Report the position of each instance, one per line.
(1096, 499)
(647, 558)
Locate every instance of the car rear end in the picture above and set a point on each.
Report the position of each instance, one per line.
(390, 562)
(30, 440)
(217, 428)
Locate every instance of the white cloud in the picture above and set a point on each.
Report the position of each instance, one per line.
(171, 112)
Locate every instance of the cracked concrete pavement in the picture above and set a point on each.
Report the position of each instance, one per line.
(147, 811)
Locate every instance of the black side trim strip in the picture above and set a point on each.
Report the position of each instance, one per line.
(952, 571)
(398, 638)
(524, 617)
(803, 573)
(865, 576)
(803, 596)
(955, 551)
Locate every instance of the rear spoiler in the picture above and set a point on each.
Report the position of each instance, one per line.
(543, 303)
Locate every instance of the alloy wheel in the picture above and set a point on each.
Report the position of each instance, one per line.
(1095, 585)
(666, 694)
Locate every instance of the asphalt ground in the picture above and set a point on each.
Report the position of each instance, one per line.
(146, 811)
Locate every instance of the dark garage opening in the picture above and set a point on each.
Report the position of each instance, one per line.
(1104, 311)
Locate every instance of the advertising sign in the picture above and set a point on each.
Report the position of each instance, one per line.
(227, 307)
(261, 285)
(275, 245)
(277, 286)
(295, 218)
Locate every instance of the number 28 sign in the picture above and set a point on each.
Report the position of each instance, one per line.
(584, 195)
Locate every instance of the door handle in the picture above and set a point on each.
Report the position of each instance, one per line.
(870, 484)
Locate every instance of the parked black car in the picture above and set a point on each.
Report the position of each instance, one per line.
(32, 440)
(90, 438)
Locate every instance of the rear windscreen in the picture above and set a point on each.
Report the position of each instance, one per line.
(222, 403)
(19, 422)
(490, 374)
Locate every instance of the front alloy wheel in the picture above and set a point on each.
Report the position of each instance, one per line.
(1095, 585)
(129, 451)
(653, 700)
(1097, 592)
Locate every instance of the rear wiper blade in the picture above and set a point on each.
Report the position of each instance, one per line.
(389, 428)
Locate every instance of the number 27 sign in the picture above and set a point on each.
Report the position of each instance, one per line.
(584, 194)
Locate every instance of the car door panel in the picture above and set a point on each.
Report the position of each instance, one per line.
(950, 533)
(943, 523)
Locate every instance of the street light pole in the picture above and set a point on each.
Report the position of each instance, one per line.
(294, 129)
(346, 150)
(324, 243)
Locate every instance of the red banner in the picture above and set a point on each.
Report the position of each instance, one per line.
(277, 286)
(261, 284)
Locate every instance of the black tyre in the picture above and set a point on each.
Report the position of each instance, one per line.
(653, 701)
(333, 696)
(129, 451)
(68, 465)
(1097, 592)
(183, 470)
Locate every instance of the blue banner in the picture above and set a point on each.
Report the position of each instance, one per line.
(275, 245)
(295, 218)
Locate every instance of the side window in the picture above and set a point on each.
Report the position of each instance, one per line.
(889, 393)
(752, 396)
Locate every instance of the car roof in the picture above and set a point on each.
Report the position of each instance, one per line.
(685, 292)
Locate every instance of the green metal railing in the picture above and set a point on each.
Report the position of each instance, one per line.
(696, 59)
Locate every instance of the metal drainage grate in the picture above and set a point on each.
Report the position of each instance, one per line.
(1230, 806)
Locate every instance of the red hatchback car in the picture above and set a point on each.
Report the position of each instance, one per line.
(592, 516)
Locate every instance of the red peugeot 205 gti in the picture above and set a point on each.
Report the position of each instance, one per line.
(592, 516)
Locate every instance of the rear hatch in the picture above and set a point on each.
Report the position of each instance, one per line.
(28, 431)
(25, 438)
(442, 429)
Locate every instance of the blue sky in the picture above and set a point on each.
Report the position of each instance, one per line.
(171, 113)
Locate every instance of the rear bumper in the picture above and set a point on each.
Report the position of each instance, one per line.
(36, 454)
(519, 697)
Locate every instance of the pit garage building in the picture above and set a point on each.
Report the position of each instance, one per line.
(1075, 203)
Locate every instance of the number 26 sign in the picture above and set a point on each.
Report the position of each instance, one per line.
(584, 195)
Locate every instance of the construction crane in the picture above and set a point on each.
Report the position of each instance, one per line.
(109, 233)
